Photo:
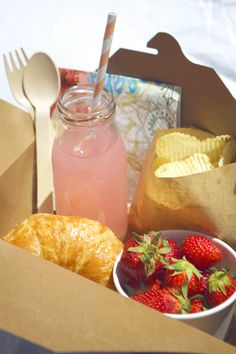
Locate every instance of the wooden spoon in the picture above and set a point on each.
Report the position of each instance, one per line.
(42, 85)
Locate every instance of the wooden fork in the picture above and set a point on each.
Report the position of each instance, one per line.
(15, 79)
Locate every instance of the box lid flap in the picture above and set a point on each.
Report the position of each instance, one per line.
(206, 102)
(65, 312)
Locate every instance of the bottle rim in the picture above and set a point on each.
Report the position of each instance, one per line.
(103, 112)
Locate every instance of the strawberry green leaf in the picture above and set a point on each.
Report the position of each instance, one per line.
(197, 296)
(221, 287)
(137, 249)
(189, 273)
(175, 259)
(182, 265)
(157, 237)
(164, 250)
(144, 258)
(185, 290)
(218, 281)
(149, 268)
(138, 238)
(178, 267)
(147, 239)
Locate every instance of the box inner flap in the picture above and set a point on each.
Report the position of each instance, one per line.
(17, 130)
(206, 102)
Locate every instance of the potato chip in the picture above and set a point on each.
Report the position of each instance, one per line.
(228, 154)
(196, 163)
(175, 146)
(181, 154)
(178, 146)
(214, 147)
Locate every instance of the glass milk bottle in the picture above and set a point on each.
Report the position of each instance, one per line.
(89, 160)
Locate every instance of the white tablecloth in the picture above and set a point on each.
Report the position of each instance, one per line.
(71, 31)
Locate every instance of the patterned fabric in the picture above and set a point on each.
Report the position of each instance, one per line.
(142, 107)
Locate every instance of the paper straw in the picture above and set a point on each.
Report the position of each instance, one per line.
(101, 75)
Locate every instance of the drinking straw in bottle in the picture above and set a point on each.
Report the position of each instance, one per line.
(106, 46)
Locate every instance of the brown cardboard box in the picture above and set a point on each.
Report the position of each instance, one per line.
(45, 308)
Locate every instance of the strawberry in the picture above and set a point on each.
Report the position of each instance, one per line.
(220, 287)
(170, 300)
(198, 286)
(197, 305)
(201, 252)
(143, 255)
(181, 271)
(159, 299)
(173, 253)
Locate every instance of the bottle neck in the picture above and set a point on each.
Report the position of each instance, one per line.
(75, 107)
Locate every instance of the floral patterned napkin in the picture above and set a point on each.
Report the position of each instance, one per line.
(142, 107)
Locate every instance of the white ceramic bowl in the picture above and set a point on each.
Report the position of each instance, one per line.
(215, 321)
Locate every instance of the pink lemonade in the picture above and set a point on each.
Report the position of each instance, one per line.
(90, 175)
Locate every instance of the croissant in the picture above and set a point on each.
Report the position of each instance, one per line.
(81, 245)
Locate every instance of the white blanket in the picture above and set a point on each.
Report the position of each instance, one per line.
(71, 31)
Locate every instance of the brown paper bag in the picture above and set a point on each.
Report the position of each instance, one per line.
(204, 202)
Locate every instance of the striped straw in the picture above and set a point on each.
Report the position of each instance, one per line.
(101, 75)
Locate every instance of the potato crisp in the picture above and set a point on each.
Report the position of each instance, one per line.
(179, 154)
